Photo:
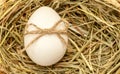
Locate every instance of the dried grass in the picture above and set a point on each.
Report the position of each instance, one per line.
(94, 37)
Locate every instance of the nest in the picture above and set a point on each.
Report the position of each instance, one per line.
(94, 37)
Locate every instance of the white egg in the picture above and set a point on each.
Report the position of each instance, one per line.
(48, 49)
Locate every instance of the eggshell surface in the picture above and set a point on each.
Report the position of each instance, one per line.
(48, 49)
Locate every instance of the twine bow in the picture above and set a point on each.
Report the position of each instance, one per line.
(43, 32)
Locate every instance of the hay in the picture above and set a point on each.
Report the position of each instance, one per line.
(94, 37)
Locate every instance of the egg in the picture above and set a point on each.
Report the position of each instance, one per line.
(49, 48)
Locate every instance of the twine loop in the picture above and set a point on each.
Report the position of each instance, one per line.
(49, 31)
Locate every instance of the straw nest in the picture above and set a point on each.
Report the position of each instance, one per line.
(94, 36)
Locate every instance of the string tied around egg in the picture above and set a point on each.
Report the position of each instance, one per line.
(43, 32)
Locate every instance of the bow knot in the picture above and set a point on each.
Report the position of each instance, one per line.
(52, 30)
